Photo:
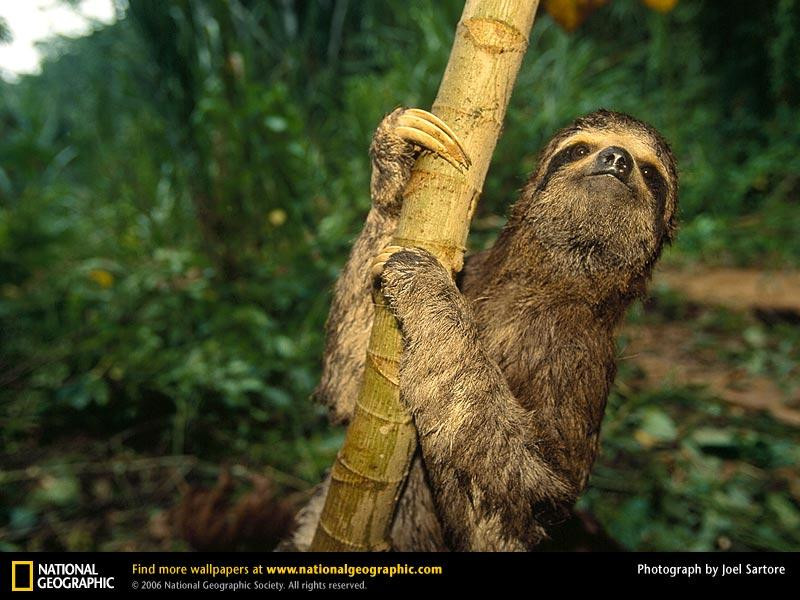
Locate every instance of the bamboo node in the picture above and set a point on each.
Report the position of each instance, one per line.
(484, 115)
(494, 36)
(379, 362)
(370, 478)
(446, 248)
(340, 540)
(360, 406)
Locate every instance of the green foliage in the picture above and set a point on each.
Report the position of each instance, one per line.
(704, 480)
(179, 189)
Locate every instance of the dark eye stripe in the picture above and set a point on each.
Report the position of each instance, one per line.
(653, 179)
(656, 184)
(563, 157)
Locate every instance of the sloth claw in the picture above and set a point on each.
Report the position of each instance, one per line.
(428, 131)
(380, 260)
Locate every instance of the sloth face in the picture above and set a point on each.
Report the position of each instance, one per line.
(605, 193)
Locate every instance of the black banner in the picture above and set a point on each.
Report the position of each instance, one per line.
(355, 573)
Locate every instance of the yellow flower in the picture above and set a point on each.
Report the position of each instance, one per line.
(645, 439)
(571, 13)
(101, 277)
(662, 6)
(277, 217)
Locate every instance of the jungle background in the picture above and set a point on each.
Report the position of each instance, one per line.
(179, 189)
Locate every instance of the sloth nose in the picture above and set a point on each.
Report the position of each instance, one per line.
(615, 161)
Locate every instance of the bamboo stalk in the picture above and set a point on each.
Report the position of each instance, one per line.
(439, 201)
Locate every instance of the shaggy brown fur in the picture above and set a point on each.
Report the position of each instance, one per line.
(506, 374)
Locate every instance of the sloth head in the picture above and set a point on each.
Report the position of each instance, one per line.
(603, 197)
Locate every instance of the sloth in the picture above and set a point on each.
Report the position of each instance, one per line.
(506, 368)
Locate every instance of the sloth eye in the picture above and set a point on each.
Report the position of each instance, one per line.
(580, 150)
(564, 157)
(655, 182)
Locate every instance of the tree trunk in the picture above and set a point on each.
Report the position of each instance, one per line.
(368, 475)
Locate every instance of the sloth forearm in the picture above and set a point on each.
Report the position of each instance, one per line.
(477, 440)
(350, 318)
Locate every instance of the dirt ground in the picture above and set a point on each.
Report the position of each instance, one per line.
(665, 352)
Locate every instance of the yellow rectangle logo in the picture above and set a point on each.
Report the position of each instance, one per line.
(21, 581)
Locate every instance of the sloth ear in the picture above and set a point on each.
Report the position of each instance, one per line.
(671, 218)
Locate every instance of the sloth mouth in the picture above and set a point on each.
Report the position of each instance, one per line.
(613, 175)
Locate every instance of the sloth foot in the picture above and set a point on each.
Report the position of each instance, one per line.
(408, 274)
(379, 262)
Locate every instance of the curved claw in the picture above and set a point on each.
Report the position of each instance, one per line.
(431, 133)
(424, 114)
(380, 260)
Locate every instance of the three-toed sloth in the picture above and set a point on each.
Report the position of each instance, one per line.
(505, 370)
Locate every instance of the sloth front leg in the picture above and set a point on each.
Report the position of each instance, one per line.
(401, 136)
(478, 443)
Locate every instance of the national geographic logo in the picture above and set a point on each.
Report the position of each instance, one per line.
(21, 575)
(27, 576)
